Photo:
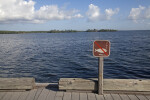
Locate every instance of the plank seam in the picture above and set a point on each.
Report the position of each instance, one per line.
(3, 96)
(38, 95)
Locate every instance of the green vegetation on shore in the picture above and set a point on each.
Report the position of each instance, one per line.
(56, 31)
(101, 30)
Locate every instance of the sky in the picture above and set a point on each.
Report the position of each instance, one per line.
(44, 15)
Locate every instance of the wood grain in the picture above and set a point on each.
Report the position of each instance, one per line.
(17, 83)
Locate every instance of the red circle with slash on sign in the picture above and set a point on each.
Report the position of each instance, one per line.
(101, 48)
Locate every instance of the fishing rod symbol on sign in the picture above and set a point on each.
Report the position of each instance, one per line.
(101, 48)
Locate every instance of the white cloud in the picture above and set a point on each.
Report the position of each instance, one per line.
(94, 14)
(24, 11)
(139, 14)
(147, 13)
(135, 13)
(109, 12)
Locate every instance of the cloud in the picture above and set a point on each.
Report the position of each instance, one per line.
(135, 13)
(94, 13)
(140, 13)
(147, 13)
(109, 12)
(24, 11)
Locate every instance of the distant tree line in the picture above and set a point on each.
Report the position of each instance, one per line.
(57, 31)
(101, 30)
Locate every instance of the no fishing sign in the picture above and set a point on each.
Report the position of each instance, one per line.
(101, 48)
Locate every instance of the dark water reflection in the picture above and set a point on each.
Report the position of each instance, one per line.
(48, 57)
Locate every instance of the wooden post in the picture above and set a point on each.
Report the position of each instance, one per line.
(100, 76)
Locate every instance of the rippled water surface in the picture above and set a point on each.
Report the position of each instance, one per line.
(48, 57)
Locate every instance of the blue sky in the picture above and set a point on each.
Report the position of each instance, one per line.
(26, 15)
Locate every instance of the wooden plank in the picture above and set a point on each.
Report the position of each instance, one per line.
(148, 97)
(24, 95)
(51, 95)
(109, 84)
(133, 97)
(99, 97)
(31, 94)
(108, 97)
(75, 96)
(15, 95)
(83, 96)
(2, 94)
(59, 96)
(7, 96)
(67, 96)
(126, 92)
(116, 96)
(141, 97)
(43, 95)
(38, 92)
(124, 97)
(91, 96)
(17, 83)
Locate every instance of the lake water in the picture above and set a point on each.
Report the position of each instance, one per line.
(48, 56)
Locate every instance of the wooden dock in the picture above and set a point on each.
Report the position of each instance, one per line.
(54, 94)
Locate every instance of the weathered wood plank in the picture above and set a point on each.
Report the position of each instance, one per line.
(124, 97)
(59, 96)
(116, 96)
(51, 95)
(38, 92)
(2, 94)
(67, 96)
(43, 94)
(108, 97)
(16, 83)
(7, 96)
(91, 96)
(141, 97)
(148, 97)
(133, 97)
(109, 84)
(31, 94)
(15, 95)
(75, 96)
(83, 96)
(24, 95)
(99, 97)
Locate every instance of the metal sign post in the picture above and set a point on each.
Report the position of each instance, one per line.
(101, 48)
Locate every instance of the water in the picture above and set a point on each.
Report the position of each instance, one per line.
(48, 57)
